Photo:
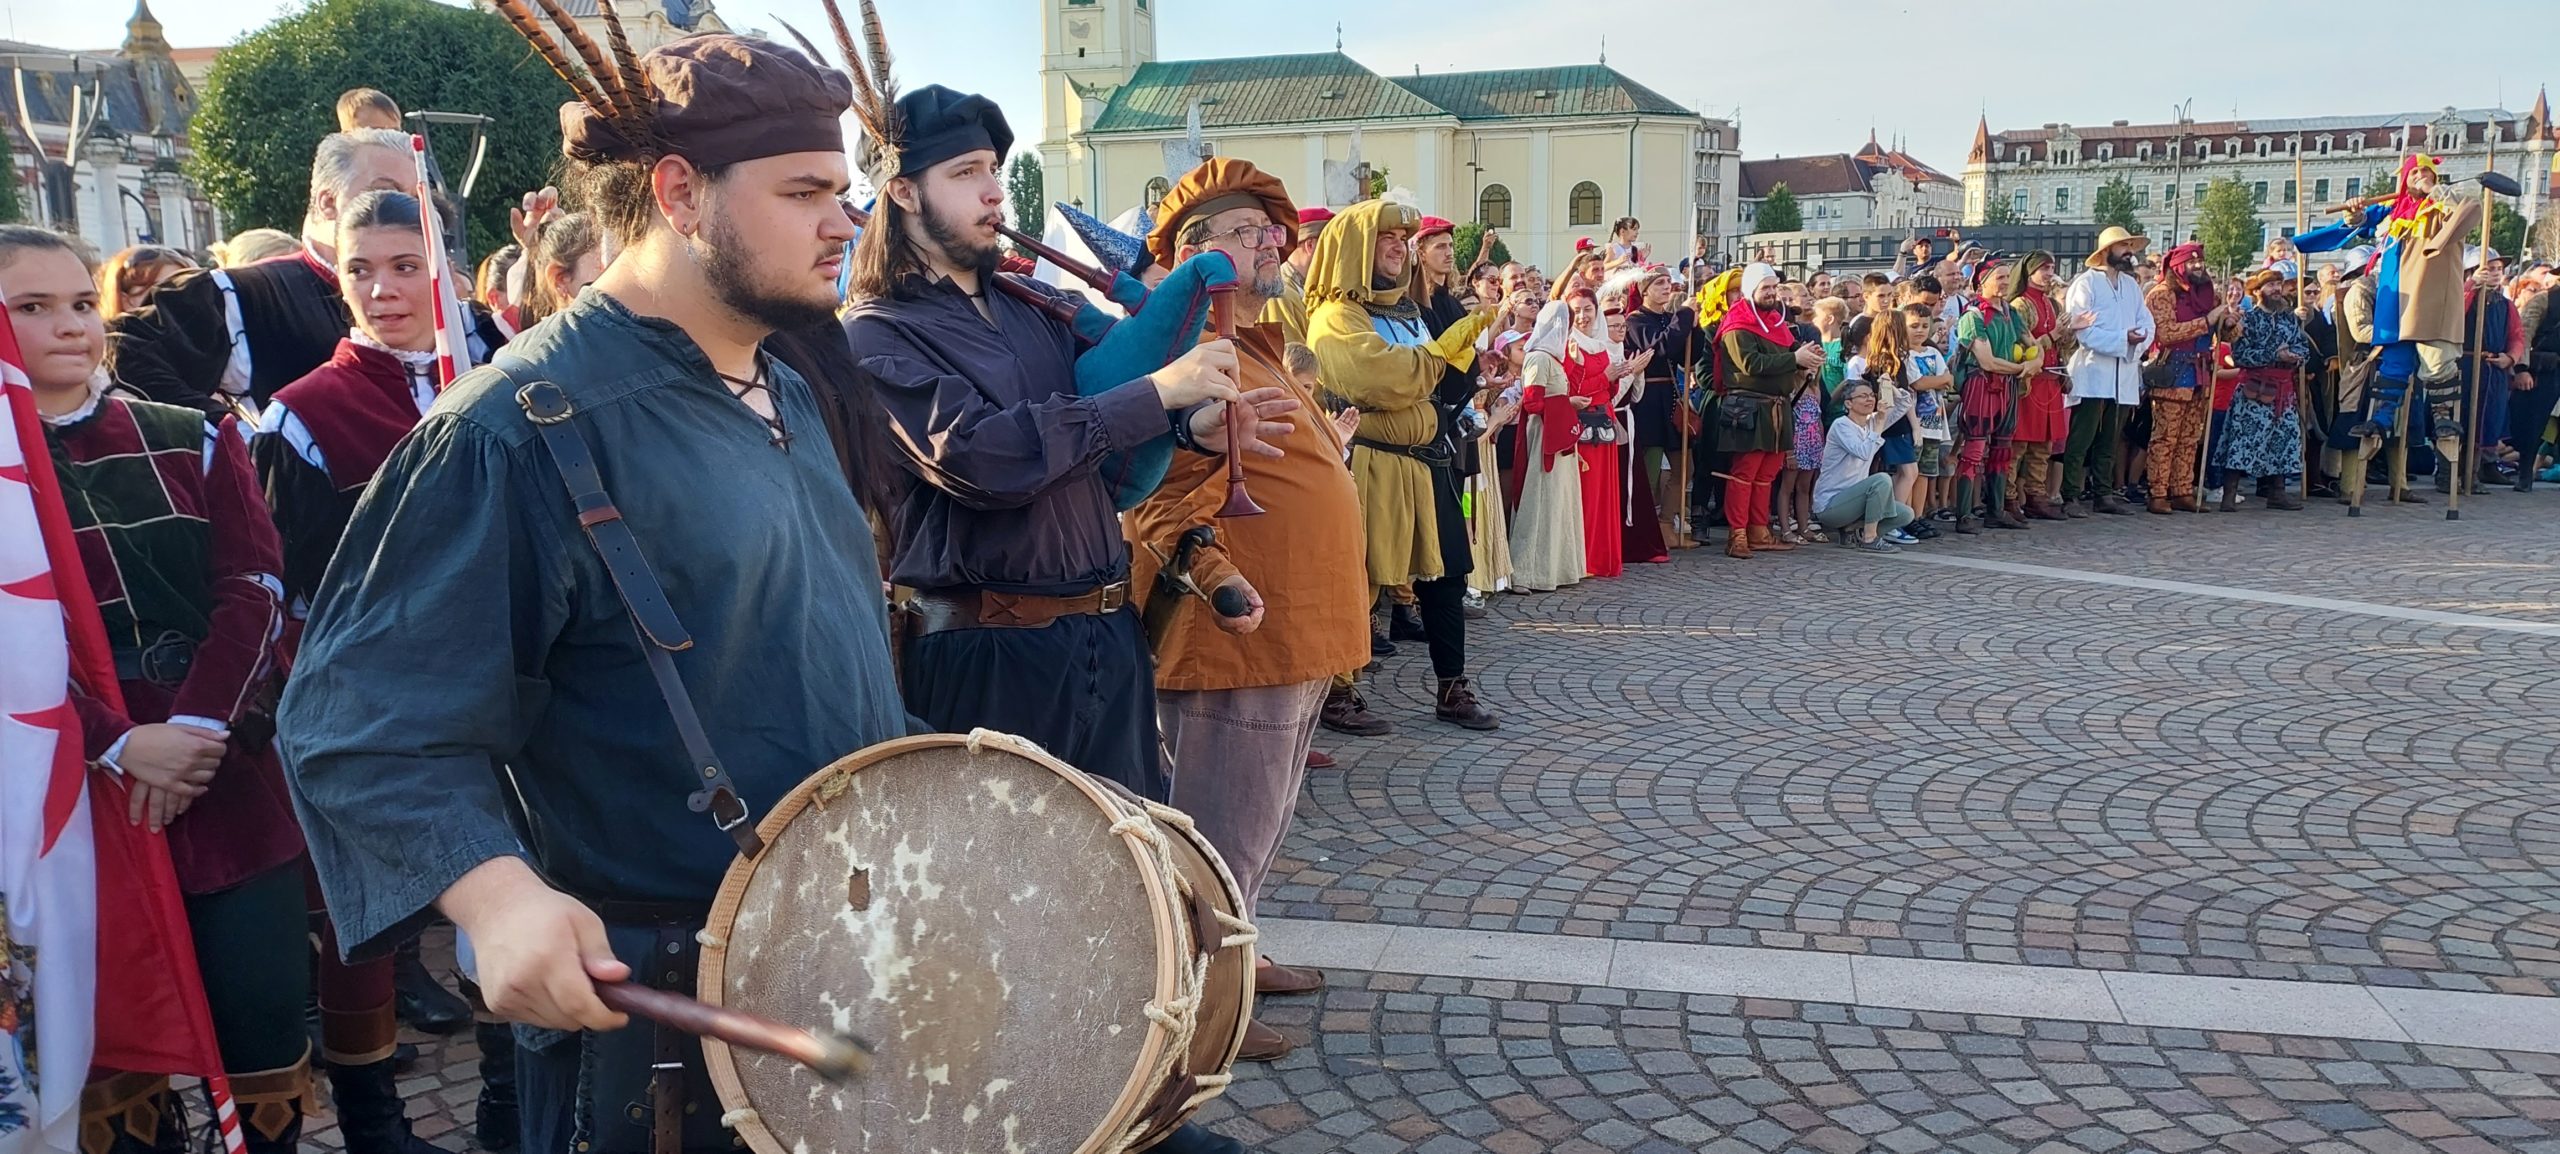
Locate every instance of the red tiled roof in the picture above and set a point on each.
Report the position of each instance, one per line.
(1823, 175)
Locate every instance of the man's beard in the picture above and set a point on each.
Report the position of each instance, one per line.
(2197, 278)
(2123, 262)
(1267, 283)
(960, 251)
(731, 273)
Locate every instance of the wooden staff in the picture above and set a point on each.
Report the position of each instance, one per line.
(1222, 316)
(834, 1057)
(2465, 464)
(2302, 375)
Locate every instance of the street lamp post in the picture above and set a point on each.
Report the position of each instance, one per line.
(2177, 170)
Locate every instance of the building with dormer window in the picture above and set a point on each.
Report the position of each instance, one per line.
(2051, 174)
(1544, 155)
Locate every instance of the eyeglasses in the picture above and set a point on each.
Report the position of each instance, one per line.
(1254, 235)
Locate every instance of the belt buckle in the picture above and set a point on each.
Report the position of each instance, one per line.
(166, 661)
(1113, 596)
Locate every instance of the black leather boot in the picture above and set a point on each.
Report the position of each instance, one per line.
(423, 1002)
(371, 1117)
(497, 1122)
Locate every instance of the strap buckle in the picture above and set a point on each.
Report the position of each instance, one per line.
(544, 403)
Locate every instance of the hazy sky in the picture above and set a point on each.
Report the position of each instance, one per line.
(1806, 75)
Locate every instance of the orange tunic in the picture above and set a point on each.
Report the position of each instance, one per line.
(1304, 556)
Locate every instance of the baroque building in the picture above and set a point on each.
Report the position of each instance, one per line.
(2052, 173)
(1543, 155)
(97, 145)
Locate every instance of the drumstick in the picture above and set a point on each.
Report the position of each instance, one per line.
(832, 1056)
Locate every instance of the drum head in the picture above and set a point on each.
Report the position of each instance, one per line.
(971, 915)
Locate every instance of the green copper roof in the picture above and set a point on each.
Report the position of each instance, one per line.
(1248, 90)
(1518, 93)
(1329, 86)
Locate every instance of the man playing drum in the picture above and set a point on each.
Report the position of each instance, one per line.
(475, 726)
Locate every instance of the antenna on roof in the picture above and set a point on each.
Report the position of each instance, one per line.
(1337, 36)
(1604, 49)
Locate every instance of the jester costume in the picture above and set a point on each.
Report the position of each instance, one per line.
(1990, 406)
(2418, 306)
(2043, 423)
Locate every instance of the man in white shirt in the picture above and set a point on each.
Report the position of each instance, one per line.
(2105, 304)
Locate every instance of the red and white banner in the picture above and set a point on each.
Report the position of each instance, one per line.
(97, 967)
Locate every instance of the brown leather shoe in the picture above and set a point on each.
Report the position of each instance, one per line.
(1263, 1044)
(2185, 503)
(1345, 712)
(2158, 505)
(1457, 706)
(1764, 541)
(1319, 759)
(1737, 546)
(2039, 511)
(1270, 979)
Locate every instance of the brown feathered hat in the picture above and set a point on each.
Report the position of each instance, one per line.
(713, 99)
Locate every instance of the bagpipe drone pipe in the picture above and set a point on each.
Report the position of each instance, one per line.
(1162, 324)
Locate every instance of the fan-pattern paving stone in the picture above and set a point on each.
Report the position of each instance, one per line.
(1447, 1066)
(1829, 751)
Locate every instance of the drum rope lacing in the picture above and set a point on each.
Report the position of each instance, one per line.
(1180, 1016)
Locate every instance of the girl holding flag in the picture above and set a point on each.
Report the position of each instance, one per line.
(183, 564)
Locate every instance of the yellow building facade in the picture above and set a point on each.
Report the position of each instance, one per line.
(1543, 155)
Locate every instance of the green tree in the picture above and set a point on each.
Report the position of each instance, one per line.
(1025, 191)
(2227, 222)
(1998, 210)
(12, 209)
(273, 95)
(1779, 213)
(2113, 206)
(2506, 230)
(1469, 237)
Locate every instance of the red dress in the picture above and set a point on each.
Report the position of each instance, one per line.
(2042, 417)
(1603, 471)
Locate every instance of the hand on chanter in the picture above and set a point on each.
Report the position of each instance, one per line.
(1270, 407)
(1206, 373)
(541, 952)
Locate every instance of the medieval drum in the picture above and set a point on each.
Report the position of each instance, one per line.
(1045, 964)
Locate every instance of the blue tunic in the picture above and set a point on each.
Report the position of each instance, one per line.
(466, 633)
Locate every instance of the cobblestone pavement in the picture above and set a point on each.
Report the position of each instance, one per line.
(1834, 752)
(1443, 1066)
(1830, 751)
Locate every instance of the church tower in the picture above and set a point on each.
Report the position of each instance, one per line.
(1088, 49)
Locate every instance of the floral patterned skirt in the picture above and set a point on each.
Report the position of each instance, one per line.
(1806, 453)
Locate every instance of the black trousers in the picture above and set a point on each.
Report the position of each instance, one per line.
(252, 950)
(1442, 600)
(1083, 687)
(2527, 411)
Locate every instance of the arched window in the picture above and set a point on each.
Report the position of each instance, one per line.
(1582, 206)
(2106, 152)
(2355, 143)
(1156, 190)
(1493, 207)
(2142, 151)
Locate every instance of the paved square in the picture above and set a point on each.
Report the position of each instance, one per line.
(2138, 802)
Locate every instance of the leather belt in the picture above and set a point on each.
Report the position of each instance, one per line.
(940, 610)
(164, 662)
(1429, 453)
(548, 407)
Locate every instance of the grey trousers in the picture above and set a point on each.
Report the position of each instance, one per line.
(1868, 500)
(1239, 756)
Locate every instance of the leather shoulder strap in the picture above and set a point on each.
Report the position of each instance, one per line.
(661, 634)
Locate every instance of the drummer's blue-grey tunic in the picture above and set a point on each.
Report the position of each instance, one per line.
(466, 632)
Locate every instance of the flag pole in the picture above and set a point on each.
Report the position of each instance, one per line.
(2303, 378)
(440, 270)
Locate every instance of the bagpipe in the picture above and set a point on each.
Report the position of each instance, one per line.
(1162, 324)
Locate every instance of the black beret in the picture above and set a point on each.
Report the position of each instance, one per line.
(937, 124)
